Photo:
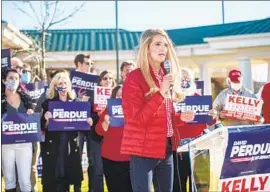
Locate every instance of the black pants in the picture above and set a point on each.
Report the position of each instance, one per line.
(117, 176)
(60, 186)
(184, 172)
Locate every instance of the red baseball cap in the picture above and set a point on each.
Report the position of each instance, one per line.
(235, 75)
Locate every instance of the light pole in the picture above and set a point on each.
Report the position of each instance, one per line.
(116, 39)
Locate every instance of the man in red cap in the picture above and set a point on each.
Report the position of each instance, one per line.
(235, 87)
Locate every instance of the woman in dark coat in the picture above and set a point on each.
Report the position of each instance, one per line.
(60, 151)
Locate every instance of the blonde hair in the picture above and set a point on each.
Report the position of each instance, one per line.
(142, 59)
(60, 77)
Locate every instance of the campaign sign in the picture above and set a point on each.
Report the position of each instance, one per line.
(200, 87)
(35, 90)
(69, 116)
(116, 112)
(84, 82)
(101, 96)
(201, 105)
(5, 59)
(246, 164)
(243, 108)
(20, 128)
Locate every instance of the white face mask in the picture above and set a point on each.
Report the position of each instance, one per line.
(236, 86)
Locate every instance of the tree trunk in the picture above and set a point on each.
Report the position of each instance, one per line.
(43, 47)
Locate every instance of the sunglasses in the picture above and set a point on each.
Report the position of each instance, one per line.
(87, 63)
(18, 67)
(106, 78)
(25, 71)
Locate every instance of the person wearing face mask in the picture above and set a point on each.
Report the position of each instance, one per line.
(115, 164)
(26, 74)
(182, 167)
(60, 150)
(17, 64)
(25, 79)
(14, 100)
(235, 82)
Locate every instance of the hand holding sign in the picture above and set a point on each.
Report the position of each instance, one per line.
(81, 93)
(29, 111)
(222, 114)
(213, 113)
(48, 115)
(90, 121)
(187, 116)
(106, 123)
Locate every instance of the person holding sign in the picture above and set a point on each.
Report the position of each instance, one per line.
(105, 80)
(60, 150)
(182, 165)
(148, 93)
(14, 100)
(236, 88)
(116, 165)
(83, 64)
(26, 78)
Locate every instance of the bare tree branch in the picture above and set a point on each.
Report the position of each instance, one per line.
(47, 17)
(41, 9)
(34, 11)
(47, 10)
(24, 12)
(53, 15)
(68, 16)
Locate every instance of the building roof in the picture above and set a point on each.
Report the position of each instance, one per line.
(104, 39)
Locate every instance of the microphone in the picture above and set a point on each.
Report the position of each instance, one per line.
(167, 66)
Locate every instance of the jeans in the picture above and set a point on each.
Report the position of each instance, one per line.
(144, 171)
(21, 154)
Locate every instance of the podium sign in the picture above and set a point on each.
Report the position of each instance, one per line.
(233, 158)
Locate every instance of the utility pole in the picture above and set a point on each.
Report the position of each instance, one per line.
(116, 39)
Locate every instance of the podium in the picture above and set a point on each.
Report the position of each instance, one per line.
(216, 165)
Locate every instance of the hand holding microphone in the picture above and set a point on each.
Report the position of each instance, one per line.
(167, 82)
